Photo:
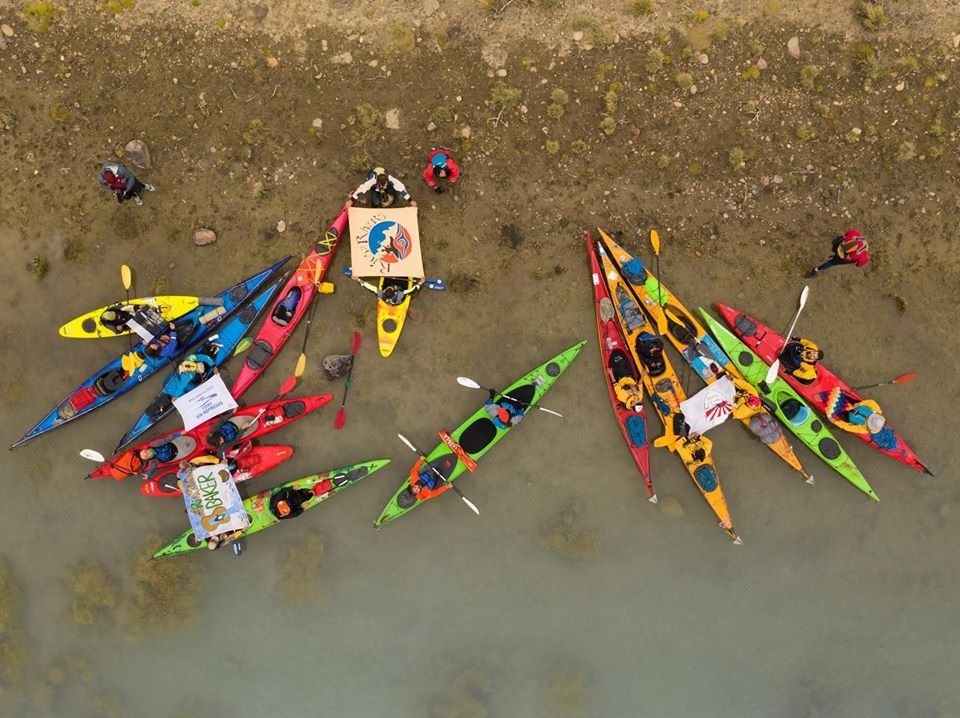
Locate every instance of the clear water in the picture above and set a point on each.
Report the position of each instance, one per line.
(834, 605)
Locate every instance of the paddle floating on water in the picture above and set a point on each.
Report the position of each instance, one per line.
(342, 411)
(471, 384)
(902, 379)
(443, 478)
(775, 367)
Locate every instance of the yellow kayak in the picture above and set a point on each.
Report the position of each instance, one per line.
(93, 325)
(696, 346)
(393, 301)
(665, 392)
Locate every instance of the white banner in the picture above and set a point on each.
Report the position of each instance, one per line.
(213, 502)
(208, 400)
(385, 242)
(710, 406)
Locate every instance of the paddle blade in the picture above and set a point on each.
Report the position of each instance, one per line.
(436, 284)
(287, 386)
(357, 338)
(348, 271)
(317, 271)
(244, 344)
(126, 276)
(772, 372)
(469, 503)
(341, 418)
(467, 382)
(906, 378)
(301, 365)
(804, 294)
(655, 241)
(406, 441)
(326, 288)
(93, 455)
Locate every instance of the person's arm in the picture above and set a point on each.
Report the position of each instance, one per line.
(428, 177)
(454, 170)
(400, 188)
(363, 189)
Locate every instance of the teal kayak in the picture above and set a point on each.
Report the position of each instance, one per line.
(477, 435)
(789, 407)
(306, 493)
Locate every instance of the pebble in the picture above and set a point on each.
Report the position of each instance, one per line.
(430, 7)
(900, 86)
(502, 72)
(956, 40)
(317, 123)
(465, 132)
(431, 126)
(203, 237)
(391, 119)
(6, 30)
(761, 64)
(703, 58)
(323, 45)
(272, 62)
(344, 58)
(793, 47)
(578, 35)
(281, 226)
(777, 179)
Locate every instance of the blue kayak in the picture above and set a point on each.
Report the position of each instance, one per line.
(211, 353)
(133, 367)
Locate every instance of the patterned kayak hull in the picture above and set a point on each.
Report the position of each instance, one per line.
(251, 461)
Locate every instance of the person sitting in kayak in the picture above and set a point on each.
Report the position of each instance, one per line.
(223, 435)
(746, 400)
(505, 413)
(165, 345)
(427, 480)
(384, 189)
(197, 368)
(288, 503)
(115, 318)
(629, 393)
(799, 358)
(860, 417)
(285, 310)
(152, 456)
(440, 165)
(650, 350)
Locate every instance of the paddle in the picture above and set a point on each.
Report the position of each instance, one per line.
(127, 279)
(775, 367)
(902, 379)
(302, 359)
(342, 411)
(655, 243)
(471, 384)
(443, 478)
(94, 455)
(244, 344)
(434, 283)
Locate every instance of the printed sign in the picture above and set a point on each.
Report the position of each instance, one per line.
(208, 400)
(709, 407)
(147, 323)
(213, 502)
(385, 242)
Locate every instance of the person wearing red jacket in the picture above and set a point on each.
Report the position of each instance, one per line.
(849, 248)
(440, 165)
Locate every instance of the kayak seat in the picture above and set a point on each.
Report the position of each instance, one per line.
(260, 353)
(293, 408)
(620, 366)
(109, 382)
(478, 435)
(160, 406)
(745, 326)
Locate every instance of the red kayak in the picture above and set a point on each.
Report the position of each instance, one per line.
(246, 462)
(255, 421)
(289, 307)
(768, 344)
(619, 367)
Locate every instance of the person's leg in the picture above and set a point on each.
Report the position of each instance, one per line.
(832, 262)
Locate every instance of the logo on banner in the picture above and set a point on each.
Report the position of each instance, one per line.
(716, 407)
(389, 241)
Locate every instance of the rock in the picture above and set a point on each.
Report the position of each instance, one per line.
(202, 237)
(671, 508)
(317, 124)
(777, 179)
(900, 86)
(336, 366)
(502, 72)
(137, 152)
(430, 7)
(703, 58)
(956, 40)
(578, 36)
(391, 119)
(281, 226)
(793, 47)
(344, 58)
(6, 30)
(494, 56)
(465, 132)
(431, 126)
(272, 62)
(761, 64)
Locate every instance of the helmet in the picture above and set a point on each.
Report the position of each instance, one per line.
(439, 161)
(875, 422)
(108, 316)
(381, 174)
(283, 508)
(212, 543)
(753, 401)
(852, 234)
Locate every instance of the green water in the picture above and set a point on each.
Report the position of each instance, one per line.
(834, 605)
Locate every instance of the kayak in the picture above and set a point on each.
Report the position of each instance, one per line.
(299, 291)
(89, 326)
(618, 365)
(255, 421)
(768, 344)
(789, 407)
(218, 347)
(260, 508)
(132, 368)
(664, 387)
(477, 435)
(680, 327)
(390, 316)
(246, 462)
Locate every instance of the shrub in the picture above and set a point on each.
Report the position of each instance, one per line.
(641, 7)
(872, 15)
(808, 76)
(751, 73)
(684, 80)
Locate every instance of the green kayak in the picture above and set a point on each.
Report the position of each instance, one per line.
(476, 436)
(789, 407)
(300, 494)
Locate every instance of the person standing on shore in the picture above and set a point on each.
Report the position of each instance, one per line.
(440, 166)
(122, 182)
(849, 248)
(384, 189)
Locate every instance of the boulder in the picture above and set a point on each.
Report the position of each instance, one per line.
(138, 153)
(202, 237)
(336, 366)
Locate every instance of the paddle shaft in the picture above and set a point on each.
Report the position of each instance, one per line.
(342, 411)
(902, 379)
(440, 476)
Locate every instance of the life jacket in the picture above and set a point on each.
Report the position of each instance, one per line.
(625, 396)
(428, 479)
(165, 453)
(792, 357)
(634, 271)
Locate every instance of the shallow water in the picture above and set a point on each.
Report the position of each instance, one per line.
(834, 605)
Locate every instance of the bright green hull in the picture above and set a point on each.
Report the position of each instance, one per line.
(477, 435)
(789, 407)
(261, 517)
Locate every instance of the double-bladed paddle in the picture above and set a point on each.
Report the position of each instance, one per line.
(471, 384)
(443, 478)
